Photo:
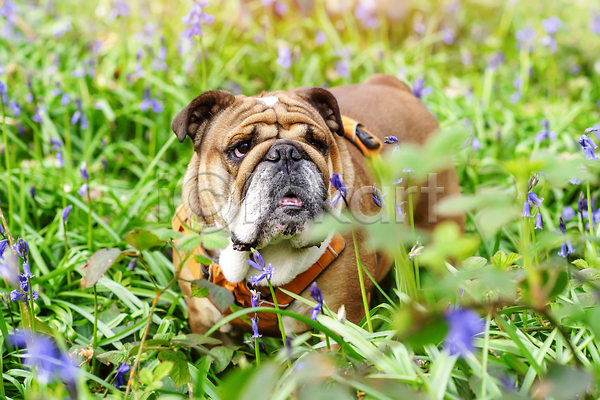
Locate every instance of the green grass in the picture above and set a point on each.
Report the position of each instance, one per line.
(540, 311)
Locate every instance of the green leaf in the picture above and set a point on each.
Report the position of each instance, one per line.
(215, 240)
(202, 259)
(189, 243)
(163, 370)
(199, 292)
(503, 261)
(167, 234)
(97, 266)
(582, 264)
(180, 372)
(143, 240)
(219, 296)
(474, 263)
(221, 357)
(195, 339)
(146, 376)
(567, 383)
(114, 356)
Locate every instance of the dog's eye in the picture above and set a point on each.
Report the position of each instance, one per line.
(242, 149)
(319, 145)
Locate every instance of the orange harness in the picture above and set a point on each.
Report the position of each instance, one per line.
(370, 146)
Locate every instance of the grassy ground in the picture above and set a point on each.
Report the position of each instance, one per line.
(494, 83)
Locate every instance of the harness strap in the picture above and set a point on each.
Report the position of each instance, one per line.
(356, 134)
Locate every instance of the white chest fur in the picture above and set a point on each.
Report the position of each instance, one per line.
(287, 261)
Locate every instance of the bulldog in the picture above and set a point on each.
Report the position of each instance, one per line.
(260, 170)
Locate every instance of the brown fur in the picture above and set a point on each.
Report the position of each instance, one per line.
(383, 104)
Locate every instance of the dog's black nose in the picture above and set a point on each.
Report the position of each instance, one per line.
(285, 154)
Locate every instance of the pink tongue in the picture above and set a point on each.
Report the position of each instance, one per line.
(290, 201)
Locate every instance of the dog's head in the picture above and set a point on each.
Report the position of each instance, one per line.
(261, 164)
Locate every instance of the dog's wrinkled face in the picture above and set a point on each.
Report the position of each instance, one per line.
(261, 165)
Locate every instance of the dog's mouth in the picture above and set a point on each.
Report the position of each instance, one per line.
(291, 201)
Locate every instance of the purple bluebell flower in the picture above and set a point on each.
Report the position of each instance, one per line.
(3, 246)
(390, 140)
(516, 96)
(2, 234)
(418, 90)
(29, 98)
(366, 13)
(21, 248)
(567, 213)
(65, 99)
(281, 8)
(496, 60)
(121, 371)
(66, 212)
(254, 298)
(566, 249)
(132, 263)
(463, 325)
(526, 209)
(37, 117)
(316, 294)
(550, 42)
(79, 116)
(284, 57)
(534, 199)
(595, 23)
(15, 108)
(588, 146)
(338, 185)
(581, 203)
(49, 362)
(415, 251)
(59, 160)
(525, 38)
(104, 162)
(419, 27)
(56, 143)
(259, 262)
(320, 38)
(9, 268)
(83, 190)
(538, 221)
(60, 30)
(448, 35)
(399, 210)
(120, 7)
(562, 225)
(342, 67)
(574, 181)
(255, 333)
(159, 63)
(84, 172)
(545, 132)
(57, 90)
(377, 196)
(32, 192)
(196, 18)
(149, 102)
(475, 144)
(552, 25)
(26, 270)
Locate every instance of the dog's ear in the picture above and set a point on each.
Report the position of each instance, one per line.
(326, 104)
(196, 117)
